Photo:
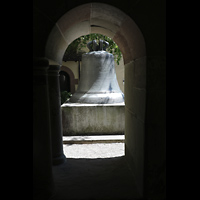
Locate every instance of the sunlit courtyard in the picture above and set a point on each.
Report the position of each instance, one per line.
(94, 147)
(94, 150)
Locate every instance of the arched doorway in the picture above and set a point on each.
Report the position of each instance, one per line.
(72, 80)
(64, 81)
(96, 18)
(112, 22)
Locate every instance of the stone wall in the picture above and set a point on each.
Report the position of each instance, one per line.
(135, 86)
(155, 140)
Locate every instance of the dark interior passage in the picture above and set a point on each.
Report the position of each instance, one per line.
(97, 179)
(138, 28)
(64, 81)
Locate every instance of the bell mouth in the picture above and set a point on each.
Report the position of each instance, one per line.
(97, 98)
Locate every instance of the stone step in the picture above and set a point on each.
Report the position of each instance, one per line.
(93, 139)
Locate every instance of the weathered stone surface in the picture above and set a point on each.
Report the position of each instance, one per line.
(55, 115)
(55, 50)
(43, 183)
(74, 16)
(93, 119)
(130, 40)
(134, 148)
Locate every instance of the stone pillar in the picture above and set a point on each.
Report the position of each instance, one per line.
(43, 184)
(55, 114)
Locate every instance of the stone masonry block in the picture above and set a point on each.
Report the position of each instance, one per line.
(93, 119)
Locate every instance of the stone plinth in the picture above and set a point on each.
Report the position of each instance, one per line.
(93, 119)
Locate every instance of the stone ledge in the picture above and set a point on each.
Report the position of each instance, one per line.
(93, 139)
(93, 105)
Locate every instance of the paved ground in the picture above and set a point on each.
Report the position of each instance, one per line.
(98, 150)
(96, 171)
(107, 146)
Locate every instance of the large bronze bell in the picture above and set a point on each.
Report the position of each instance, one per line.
(98, 83)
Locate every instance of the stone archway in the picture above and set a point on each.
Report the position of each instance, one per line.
(112, 22)
(96, 18)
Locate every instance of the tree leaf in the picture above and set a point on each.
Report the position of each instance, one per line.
(82, 41)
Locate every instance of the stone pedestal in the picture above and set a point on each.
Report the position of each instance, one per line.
(93, 119)
(43, 184)
(55, 114)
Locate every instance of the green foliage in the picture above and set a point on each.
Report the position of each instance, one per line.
(65, 96)
(82, 41)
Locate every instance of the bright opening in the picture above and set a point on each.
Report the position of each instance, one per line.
(101, 146)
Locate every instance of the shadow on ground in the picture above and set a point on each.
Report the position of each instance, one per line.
(94, 179)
